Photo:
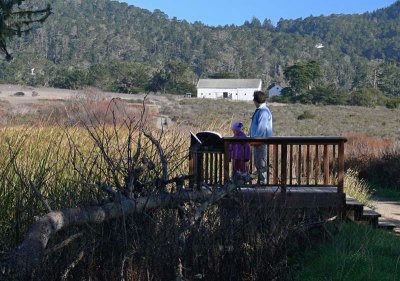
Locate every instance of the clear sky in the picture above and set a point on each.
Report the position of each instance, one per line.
(221, 12)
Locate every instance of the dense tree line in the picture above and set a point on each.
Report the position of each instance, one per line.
(120, 47)
(307, 86)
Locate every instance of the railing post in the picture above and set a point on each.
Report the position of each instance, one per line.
(206, 169)
(191, 169)
(276, 164)
(341, 167)
(326, 164)
(226, 161)
(283, 167)
(199, 169)
(220, 181)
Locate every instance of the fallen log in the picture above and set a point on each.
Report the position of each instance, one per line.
(23, 260)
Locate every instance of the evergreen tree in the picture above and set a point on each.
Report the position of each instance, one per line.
(16, 19)
(301, 75)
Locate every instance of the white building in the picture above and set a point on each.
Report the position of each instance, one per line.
(274, 91)
(235, 89)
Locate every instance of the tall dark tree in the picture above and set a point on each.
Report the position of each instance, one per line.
(301, 75)
(17, 19)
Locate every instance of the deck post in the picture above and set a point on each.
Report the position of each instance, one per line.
(283, 167)
(276, 164)
(326, 164)
(226, 161)
(199, 169)
(191, 168)
(341, 167)
(206, 169)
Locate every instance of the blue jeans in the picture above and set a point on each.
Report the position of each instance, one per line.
(260, 161)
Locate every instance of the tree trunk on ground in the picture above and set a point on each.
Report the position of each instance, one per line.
(22, 261)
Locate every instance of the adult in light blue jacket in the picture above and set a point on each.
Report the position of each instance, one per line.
(261, 126)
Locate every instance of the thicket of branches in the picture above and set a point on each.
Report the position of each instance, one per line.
(107, 200)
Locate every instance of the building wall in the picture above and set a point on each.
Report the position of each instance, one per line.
(234, 94)
(274, 91)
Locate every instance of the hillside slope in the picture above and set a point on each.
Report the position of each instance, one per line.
(85, 33)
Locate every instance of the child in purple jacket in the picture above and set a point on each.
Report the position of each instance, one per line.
(239, 153)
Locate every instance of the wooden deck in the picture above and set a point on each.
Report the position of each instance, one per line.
(294, 197)
(302, 172)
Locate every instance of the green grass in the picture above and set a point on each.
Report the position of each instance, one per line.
(356, 252)
(392, 194)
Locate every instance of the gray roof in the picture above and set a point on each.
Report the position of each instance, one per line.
(228, 83)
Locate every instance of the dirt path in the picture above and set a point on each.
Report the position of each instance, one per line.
(389, 209)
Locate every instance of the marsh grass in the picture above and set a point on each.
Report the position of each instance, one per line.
(46, 168)
(357, 188)
(35, 176)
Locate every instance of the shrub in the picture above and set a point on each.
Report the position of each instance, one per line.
(368, 97)
(384, 171)
(306, 115)
(376, 159)
(392, 102)
(360, 148)
(70, 78)
(328, 95)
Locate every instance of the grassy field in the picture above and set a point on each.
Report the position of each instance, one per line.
(322, 121)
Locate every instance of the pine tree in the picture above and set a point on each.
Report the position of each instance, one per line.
(17, 19)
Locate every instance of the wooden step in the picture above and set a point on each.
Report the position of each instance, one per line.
(354, 209)
(370, 216)
(385, 223)
(357, 212)
(351, 202)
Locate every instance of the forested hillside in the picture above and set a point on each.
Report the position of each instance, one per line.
(119, 47)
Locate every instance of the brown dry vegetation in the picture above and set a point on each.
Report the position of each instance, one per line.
(377, 159)
(205, 114)
(327, 121)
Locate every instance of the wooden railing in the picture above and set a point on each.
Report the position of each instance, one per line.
(291, 161)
